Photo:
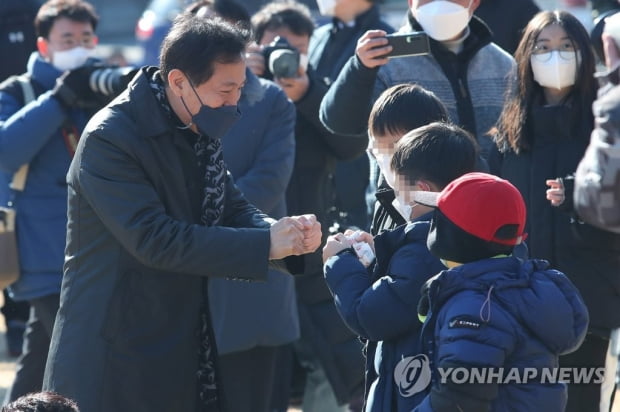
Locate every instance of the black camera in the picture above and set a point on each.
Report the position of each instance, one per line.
(110, 80)
(281, 59)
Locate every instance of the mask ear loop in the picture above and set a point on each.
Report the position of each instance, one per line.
(191, 116)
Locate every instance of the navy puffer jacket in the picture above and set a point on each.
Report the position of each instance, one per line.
(501, 312)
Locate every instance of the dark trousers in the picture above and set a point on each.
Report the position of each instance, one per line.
(591, 354)
(31, 364)
(246, 379)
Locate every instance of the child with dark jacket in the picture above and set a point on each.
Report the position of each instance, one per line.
(491, 311)
(380, 303)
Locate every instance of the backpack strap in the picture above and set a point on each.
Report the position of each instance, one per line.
(19, 178)
(27, 89)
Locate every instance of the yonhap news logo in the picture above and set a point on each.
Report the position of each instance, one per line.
(412, 375)
(508, 376)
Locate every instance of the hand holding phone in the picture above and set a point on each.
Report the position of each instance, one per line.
(372, 47)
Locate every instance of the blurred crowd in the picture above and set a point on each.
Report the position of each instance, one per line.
(162, 205)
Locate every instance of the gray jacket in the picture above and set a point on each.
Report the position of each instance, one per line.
(472, 84)
(597, 181)
(487, 79)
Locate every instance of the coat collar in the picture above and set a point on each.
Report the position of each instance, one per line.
(151, 119)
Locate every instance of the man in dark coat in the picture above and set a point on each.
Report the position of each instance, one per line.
(152, 213)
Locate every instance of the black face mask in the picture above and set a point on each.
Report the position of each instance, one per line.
(214, 123)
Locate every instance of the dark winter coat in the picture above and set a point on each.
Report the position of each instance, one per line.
(382, 308)
(501, 313)
(126, 336)
(590, 257)
(507, 19)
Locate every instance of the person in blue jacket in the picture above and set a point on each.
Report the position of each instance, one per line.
(381, 305)
(491, 311)
(43, 134)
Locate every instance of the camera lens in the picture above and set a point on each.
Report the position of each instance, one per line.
(109, 81)
(284, 63)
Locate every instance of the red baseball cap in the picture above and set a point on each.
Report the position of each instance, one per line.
(483, 205)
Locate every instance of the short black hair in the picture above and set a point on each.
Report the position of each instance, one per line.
(41, 402)
(287, 14)
(76, 10)
(194, 44)
(439, 152)
(229, 10)
(405, 107)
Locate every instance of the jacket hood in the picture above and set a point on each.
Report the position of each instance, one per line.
(540, 299)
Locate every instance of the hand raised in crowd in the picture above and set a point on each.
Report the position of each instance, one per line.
(295, 235)
(556, 192)
(255, 60)
(372, 48)
(295, 87)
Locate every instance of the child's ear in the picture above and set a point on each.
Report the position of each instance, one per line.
(424, 186)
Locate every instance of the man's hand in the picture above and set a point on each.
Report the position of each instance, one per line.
(295, 87)
(312, 232)
(295, 235)
(372, 47)
(255, 60)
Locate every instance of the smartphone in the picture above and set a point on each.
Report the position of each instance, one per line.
(408, 44)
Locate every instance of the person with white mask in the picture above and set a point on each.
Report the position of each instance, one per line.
(42, 114)
(465, 69)
(541, 137)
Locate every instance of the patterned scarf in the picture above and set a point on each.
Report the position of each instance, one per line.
(210, 159)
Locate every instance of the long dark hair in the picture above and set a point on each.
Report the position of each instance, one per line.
(513, 121)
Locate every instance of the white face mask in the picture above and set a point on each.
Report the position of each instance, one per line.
(442, 20)
(383, 160)
(326, 7)
(72, 58)
(403, 207)
(555, 71)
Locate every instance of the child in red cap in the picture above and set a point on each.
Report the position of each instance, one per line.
(495, 324)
